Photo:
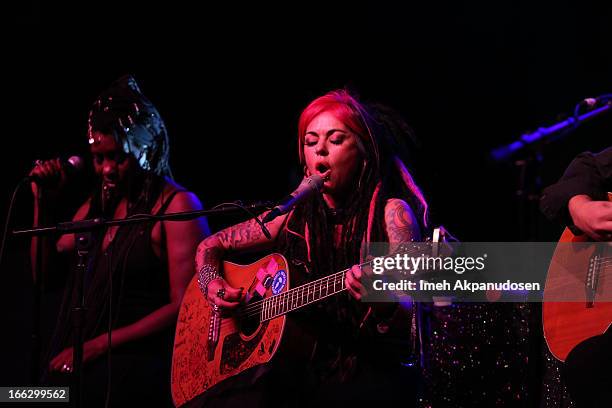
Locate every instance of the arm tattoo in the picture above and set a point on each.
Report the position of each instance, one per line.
(208, 254)
(401, 225)
(211, 250)
(233, 237)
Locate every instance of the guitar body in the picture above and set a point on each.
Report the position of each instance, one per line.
(208, 348)
(566, 324)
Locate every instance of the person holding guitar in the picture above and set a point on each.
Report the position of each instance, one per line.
(359, 349)
(579, 200)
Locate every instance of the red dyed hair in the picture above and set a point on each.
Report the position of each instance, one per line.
(344, 107)
(356, 117)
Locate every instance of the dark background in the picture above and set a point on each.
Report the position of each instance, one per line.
(230, 82)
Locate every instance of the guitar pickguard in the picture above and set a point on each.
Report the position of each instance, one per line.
(236, 350)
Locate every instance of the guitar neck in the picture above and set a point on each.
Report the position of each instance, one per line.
(312, 292)
(304, 295)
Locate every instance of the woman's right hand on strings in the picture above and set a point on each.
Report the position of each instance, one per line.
(50, 175)
(220, 293)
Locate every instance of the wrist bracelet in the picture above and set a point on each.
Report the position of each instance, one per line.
(206, 274)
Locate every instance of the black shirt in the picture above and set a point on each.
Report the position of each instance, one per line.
(589, 174)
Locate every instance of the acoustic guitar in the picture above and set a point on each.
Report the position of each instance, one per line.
(209, 347)
(584, 273)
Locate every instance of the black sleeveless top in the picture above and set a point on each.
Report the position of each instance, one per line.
(345, 338)
(140, 284)
(143, 284)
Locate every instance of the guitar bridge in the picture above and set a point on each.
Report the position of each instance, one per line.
(592, 277)
(214, 328)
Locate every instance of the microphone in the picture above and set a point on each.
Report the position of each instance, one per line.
(73, 165)
(591, 102)
(307, 187)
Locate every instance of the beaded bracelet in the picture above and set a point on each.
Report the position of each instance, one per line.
(206, 274)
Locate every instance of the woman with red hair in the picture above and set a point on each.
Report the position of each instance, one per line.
(367, 196)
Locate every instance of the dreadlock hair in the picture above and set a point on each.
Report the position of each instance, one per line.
(381, 135)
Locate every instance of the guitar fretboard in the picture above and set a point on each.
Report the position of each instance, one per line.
(303, 295)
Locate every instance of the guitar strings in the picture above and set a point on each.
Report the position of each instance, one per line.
(606, 263)
(296, 293)
(300, 289)
(287, 299)
(278, 303)
(288, 302)
(293, 294)
(311, 285)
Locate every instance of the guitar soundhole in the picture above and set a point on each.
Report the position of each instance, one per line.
(249, 319)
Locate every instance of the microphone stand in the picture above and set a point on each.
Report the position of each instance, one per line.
(547, 134)
(84, 242)
(529, 165)
(38, 291)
